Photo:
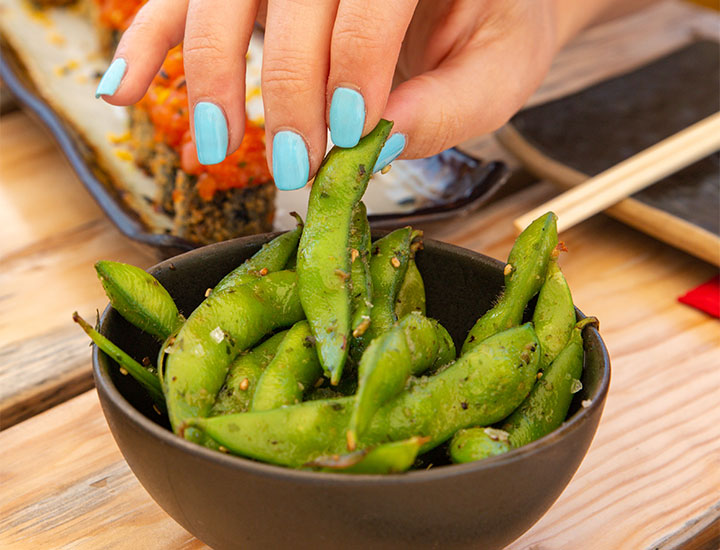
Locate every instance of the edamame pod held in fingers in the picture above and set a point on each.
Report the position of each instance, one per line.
(524, 275)
(237, 393)
(294, 368)
(140, 298)
(481, 387)
(196, 362)
(273, 256)
(323, 264)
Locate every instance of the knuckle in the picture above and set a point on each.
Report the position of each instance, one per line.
(356, 39)
(284, 76)
(204, 45)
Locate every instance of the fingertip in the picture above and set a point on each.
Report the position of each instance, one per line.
(346, 117)
(211, 133)
(112, 78)
(290, 161)
(393, 148)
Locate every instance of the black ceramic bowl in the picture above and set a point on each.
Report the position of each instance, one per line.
(231, 502)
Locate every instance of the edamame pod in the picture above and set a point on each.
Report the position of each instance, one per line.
(237, 393)
(524, 275)
(323, 264)
(387, 458)
(477, 443)
(388, 264)
(139, 297)
(554, 315)
(360, 270)
(294, 368)
(144, 376)
(273, 256)
(481, 387)
(194, 363)
(412, 346)
(547, 405)
(411, 296)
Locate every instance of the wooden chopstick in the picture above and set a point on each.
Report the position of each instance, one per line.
(631, 175)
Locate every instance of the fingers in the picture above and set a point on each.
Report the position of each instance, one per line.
(217, 34)
(295, 69)
(156, 28)
(473, 93)
(366, 41)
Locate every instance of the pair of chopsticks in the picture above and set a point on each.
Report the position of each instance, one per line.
(631, 175)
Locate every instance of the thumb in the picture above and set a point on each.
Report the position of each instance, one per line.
(471, 94)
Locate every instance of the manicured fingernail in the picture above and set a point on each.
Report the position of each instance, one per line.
(291, 167)
(347, 117)
(211, 133)
(390, 151)
(111, 79)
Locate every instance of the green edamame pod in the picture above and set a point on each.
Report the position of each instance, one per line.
(411, 296)
(237, 393)
(388, 264)
(554, 315)
(273, 256)
(294, 368)
(547, 405)
(387, 458)
(412, 346)
(477, 443)
(481, 387)
(145, 376)
(360, 270)
(323, 265)
(195, 362)
(524, 275)
(139, 297)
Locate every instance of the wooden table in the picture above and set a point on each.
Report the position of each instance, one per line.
(650, 480)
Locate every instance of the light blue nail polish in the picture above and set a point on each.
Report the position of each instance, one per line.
(211, 133)
(111, 79)
(390, 151)
(347, 117)
(291, 167)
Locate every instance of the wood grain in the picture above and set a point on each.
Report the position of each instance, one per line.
(87, 497)
(51, 234)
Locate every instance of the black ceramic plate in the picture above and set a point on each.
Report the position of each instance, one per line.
(426, 189)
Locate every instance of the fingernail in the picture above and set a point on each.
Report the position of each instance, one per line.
(390, 151)
(347, 117)
(291, 167)
(111, 79)
(211, 133)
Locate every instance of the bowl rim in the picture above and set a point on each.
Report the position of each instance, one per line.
(105, 386)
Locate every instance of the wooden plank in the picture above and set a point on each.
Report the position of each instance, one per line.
(652, 467)
(52, 233)
(89, 498)
(702, 533)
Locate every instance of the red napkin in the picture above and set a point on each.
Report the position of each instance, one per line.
(706, 297)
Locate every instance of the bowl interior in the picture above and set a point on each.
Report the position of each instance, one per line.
(460, 286)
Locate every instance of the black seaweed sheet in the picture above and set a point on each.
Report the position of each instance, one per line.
(598, 127)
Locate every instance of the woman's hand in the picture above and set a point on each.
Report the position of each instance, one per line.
(443, 71)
